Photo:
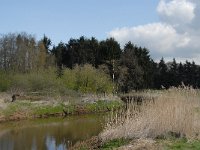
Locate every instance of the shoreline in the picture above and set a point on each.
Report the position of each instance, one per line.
(26, 109)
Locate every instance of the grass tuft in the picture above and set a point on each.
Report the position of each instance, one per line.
(183, 144)
(114, 144)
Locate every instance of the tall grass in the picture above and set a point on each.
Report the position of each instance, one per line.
(173, 111)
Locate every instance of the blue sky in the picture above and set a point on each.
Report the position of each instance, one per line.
(168, 28)
(63, 19)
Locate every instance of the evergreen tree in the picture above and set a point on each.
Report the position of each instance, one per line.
(130, 74)
(173, 74)
(181, 74)
(163, 74)
(47, 43)
(60, 53)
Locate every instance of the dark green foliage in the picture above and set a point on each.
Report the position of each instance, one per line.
(60, 52)
(109, 50)
(173, 74)
(133, 72)
(47, 43)
(136, 69)
(162, 75)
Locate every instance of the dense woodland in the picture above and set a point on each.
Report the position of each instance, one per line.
(130, 67)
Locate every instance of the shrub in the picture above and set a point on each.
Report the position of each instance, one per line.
(5, 81)
(87, 79)
(37, 81)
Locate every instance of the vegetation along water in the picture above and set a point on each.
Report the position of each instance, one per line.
(152, 105)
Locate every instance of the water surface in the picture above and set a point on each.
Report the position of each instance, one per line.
(49, 134)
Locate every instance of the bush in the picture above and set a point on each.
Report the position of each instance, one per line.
(37, 81)
(5, 82)
(87, 79)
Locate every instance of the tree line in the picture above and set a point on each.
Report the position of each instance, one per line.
(130, 67)
(22, 53)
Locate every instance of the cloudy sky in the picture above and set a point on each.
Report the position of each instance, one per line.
(168, 28)
(176, 33)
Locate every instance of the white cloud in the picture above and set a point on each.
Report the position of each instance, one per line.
(159, 37)
(176, 11)
(176, 35)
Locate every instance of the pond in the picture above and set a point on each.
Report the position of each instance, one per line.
(49, 134)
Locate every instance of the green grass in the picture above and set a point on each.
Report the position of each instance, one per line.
(31, 110)
(176, 144)
(103, 106)
(114, 144)
(183, 144)
(16, 107)
(45, 110)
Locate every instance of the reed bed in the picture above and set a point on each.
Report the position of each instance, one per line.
(174, 111)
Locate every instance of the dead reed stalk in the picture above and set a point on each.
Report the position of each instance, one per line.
(176, 110)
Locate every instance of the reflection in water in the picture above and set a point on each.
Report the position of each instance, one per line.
(48, 134)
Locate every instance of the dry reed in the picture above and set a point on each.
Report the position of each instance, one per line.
(172, 111)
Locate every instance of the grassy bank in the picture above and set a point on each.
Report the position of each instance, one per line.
(24, 109)
(169, 120)
(149, 144)
(137, 144)
(47, 92)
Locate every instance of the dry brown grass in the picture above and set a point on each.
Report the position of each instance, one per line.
(173, 111)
